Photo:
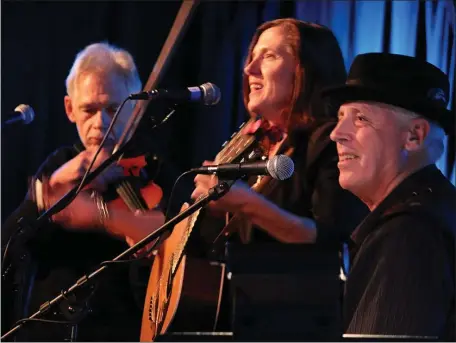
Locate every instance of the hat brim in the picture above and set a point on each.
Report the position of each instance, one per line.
(337, 96)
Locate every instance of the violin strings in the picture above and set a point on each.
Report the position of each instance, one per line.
(128, 194)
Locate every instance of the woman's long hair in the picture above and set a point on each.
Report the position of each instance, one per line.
(319, 64)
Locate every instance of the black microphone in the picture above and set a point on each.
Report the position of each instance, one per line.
(280, 167)
(22, 113)
(208, 94)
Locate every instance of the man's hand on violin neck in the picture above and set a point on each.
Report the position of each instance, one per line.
(70, 173)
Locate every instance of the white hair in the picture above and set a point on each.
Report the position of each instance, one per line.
(104, 58)
(434, 141)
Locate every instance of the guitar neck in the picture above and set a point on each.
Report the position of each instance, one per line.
(236, 147)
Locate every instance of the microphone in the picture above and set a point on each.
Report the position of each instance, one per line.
(22, 113)
(280, 167)
(208, 94)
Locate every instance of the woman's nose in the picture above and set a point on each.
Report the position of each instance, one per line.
(252, 68)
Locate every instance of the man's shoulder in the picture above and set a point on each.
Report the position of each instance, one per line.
(411, 222)
(423, 212)
(432, 205)
(411, 226)
(406, 239)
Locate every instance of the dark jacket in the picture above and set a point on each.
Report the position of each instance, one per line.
(402, 280)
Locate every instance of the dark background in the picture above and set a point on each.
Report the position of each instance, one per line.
(40, 41)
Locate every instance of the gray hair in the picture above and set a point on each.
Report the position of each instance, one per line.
(434, 142)
(104, 58)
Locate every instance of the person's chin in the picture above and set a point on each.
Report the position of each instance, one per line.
(95, 142)
(347, 180)
(255, 106)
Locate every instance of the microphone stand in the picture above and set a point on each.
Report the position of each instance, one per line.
(214, 193)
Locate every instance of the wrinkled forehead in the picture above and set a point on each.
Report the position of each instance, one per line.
(365, 107)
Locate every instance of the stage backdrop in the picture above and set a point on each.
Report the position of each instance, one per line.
(41, 39)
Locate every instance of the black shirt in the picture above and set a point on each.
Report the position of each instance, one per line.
(402, 279)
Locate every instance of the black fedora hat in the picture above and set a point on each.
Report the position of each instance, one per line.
(398, 80)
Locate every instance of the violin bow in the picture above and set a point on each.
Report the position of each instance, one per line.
(174, 37)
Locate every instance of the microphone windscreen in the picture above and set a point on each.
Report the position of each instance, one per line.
(27, 113)
(281, 167)
(211, 93)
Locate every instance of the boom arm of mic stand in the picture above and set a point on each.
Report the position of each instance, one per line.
(214, 193)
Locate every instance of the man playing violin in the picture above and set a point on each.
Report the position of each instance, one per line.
(91, 229)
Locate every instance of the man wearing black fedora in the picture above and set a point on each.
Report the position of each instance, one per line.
(391, 127)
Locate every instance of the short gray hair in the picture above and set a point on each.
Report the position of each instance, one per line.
(104, 58)
(434, 141)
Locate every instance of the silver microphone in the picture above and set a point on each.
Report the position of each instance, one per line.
(207, 93)
(22, 113)
(280, 167)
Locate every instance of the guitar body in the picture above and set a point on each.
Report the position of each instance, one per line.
(184, 292)
(189, 306)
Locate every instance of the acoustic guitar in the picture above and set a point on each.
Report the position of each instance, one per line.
(195, 305)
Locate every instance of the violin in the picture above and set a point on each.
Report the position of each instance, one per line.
(132, 195)
(130, 191)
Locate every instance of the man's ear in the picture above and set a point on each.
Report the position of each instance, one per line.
(417, 133)
(69, 108)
